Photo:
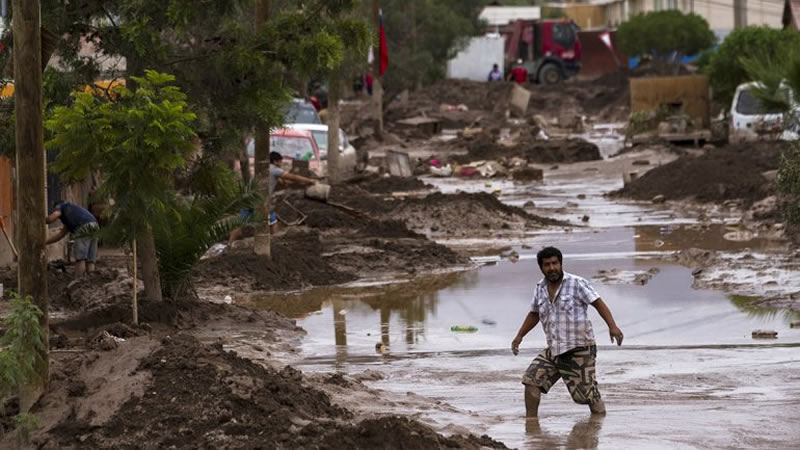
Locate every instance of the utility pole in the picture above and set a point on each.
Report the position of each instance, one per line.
(31, 169)
(334, 94)
(377, 82)
(262, 245)
(739, 14)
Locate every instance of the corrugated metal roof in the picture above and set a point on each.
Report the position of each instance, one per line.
(503, 15)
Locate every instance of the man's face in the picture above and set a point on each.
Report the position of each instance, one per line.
(551, 268)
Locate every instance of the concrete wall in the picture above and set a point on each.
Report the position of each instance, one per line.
(587, 16)
(718, 13)
(476, 60)
(691, 91)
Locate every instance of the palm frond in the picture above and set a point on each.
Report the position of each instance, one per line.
(195, 226)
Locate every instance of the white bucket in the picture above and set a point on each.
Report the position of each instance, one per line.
(319, 192)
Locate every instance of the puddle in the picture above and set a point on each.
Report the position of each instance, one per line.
(688, 374)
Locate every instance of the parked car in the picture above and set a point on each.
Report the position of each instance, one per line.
(320, 132)
(300, 111)
(750, 122)
(292, 145)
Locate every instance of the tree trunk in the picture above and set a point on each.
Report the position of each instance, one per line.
(334, 93)
(263, 244)
(244, 163)
(377, 86)
(146, 244)
(31, 169)
(135, 293)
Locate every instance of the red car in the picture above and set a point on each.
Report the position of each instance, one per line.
(291, 144)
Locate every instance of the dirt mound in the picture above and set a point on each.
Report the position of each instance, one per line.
(465, 213)
(400, 432)
(484, 146)
(732, 172)
(383, 185)
(473, 94)
(296, 263)
(201, 396)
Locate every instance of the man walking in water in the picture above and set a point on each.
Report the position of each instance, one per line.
(560, 302)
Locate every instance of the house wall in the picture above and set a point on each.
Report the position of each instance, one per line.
(718, 13)
(475, 61)
(691, 91)
(587, 16)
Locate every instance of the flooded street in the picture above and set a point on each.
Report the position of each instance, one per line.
(689, 374)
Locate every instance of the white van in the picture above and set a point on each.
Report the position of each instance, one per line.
(749, 121)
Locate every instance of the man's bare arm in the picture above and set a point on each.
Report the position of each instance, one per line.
(297, 178)
(605, 313)
(58, 236)
(527, 325)
(53, 217)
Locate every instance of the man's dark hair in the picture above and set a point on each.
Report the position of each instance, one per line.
(57, 203)
(275, 157)
(549, 252)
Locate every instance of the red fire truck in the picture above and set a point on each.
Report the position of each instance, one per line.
(549, 49)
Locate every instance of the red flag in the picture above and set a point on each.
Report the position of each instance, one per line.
(384, 50)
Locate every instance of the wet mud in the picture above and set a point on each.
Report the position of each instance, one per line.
(528, 146)
(732, 172)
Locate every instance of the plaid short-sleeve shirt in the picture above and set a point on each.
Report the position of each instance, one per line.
(565, 321)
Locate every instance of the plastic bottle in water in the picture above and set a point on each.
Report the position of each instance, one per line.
(464, 329)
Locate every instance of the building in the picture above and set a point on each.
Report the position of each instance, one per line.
(719, 13)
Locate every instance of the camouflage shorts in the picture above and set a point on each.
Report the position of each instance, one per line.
(576, 367)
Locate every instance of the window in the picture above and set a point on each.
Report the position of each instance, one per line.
(563, 35)
(300, 113)
(748, 104)
(292, 147)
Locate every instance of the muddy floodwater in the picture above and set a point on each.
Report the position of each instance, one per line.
(689, 375)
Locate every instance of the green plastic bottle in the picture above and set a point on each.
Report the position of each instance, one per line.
(467, 329)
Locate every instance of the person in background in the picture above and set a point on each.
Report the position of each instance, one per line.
(276, 175)
(495, 74)
(77, 221)
(519, 73)
(368, 81)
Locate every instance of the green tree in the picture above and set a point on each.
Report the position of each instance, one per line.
(779, 91)
(725, 66)
(422, 35)
(667, 36)
(233, 72)
(136, 140)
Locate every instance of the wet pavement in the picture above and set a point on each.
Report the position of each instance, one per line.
(689, 374)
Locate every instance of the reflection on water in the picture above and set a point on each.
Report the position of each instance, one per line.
(747, 304)
(717, 237)
(585, 434)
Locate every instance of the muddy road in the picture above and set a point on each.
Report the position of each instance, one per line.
(689, 375)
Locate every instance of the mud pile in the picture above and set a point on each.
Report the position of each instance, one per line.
(465, 214)
(484, 146)
(719, 174)
(296, 263)
(201, 396)
(383, 185)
